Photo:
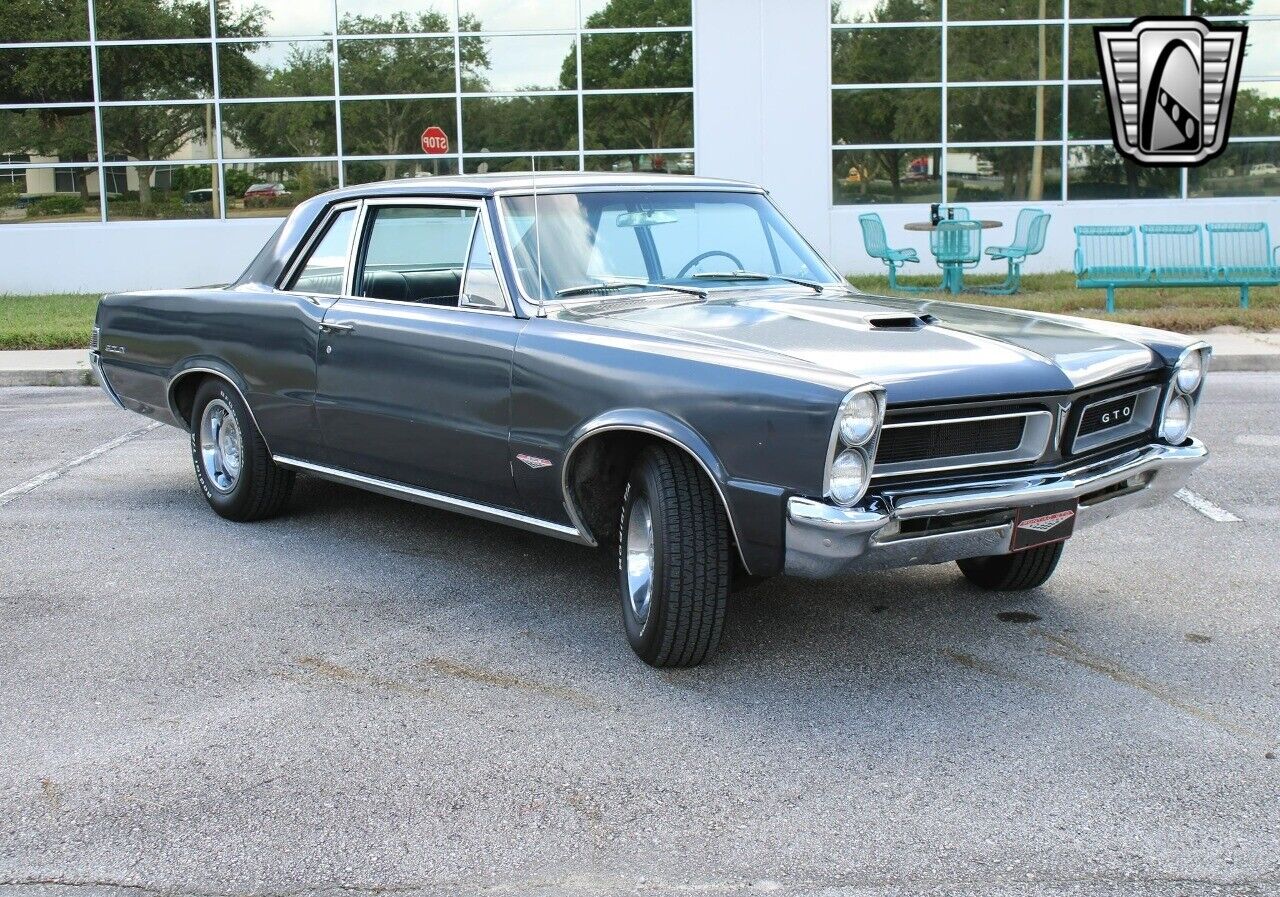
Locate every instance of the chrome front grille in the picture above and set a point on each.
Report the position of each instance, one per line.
(950, 443)
(95, 339)
(1115, 417)
(924, 441)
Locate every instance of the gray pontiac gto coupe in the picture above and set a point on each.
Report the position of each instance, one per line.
(657, 364)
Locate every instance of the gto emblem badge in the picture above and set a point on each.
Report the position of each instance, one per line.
(1119, 415)
(534, 461)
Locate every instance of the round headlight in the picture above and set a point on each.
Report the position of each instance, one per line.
(858, 418)
(848, 477)
(1190, 371)
(1177, 419)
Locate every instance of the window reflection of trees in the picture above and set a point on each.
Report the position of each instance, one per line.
(385, 77)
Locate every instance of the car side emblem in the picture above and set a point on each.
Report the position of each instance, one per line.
(1171, 85)
(534, 461)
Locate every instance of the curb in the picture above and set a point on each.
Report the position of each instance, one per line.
(64, 377)
(1244, 363)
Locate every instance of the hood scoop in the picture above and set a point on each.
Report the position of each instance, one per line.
(899, 322)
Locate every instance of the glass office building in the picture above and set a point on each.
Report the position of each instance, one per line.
(116, 110)
(975, 101)
(180, 131)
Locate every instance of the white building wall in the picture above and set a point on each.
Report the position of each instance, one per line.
(762, 114)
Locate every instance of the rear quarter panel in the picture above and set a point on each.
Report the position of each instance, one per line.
(264, 341)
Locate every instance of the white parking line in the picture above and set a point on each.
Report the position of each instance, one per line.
(50, 475)
(1206, 507)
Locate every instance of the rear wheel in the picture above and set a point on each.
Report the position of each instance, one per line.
(674, 569)
(233, 467)
(1015, 572)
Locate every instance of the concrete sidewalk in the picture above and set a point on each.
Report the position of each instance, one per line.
(52, 367)
(1232, 351)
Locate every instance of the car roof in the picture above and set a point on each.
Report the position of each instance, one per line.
(523, 181)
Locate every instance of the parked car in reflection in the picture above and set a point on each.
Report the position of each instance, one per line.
(265, 191)
(658, 365)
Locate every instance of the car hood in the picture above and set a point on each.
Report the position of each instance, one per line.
(919, 351)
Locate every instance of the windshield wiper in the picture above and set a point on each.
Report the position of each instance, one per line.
(583, 289)
(752, 275)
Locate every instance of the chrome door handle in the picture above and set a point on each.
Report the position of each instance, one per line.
(334, 327)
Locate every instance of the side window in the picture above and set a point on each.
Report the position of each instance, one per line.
(416, 253)
(480, 287)
(326, 267)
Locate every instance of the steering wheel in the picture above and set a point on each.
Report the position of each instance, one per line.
(711, 253)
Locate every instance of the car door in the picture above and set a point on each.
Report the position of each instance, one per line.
(414, 368)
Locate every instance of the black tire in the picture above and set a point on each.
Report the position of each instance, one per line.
(1015, 572)
(691, 571)
(261, 489)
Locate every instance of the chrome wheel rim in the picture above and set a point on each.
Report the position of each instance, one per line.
(221, 446)
(639, 549)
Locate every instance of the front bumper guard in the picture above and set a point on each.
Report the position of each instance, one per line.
(826, 540)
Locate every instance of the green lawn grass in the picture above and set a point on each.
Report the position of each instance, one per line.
(1182, 309)
(62, 321)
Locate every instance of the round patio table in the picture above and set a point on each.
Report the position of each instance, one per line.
(987, 224)
(952, 274)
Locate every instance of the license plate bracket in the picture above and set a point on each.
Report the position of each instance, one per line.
(1044, 524)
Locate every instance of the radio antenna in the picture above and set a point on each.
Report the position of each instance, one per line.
(537, 239)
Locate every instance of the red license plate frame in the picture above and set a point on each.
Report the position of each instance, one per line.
(1044, 524)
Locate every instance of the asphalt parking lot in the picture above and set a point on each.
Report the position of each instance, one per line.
(369, 696)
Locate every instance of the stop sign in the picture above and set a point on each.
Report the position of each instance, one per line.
(435, 141)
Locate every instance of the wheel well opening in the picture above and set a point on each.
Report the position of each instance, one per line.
(597, 476)
(182, 394)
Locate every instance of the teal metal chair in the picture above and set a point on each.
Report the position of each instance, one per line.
(956, 245)
(1028, 239)
(957, 213)
(873, 237)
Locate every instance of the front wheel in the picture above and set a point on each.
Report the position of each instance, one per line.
(674, 569)
(1015, 572)
(233, 466)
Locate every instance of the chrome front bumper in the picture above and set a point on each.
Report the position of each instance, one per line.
(826, 540)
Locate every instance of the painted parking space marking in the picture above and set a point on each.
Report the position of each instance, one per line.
(50, 475)
(1206, 507)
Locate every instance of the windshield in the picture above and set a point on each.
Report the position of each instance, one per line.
(636, 240)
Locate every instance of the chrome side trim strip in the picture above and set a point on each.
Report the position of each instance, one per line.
(438, 500)
(572, 507)
(95, 364)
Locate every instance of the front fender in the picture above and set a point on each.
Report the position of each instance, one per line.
(755, 510)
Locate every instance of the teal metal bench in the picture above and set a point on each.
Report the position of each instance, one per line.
(1107, 257)
(1174, 254)
(1242, 255)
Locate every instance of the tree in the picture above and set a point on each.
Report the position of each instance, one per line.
(425, 65)
(880, 56)
(164, 71)
(626, 61)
